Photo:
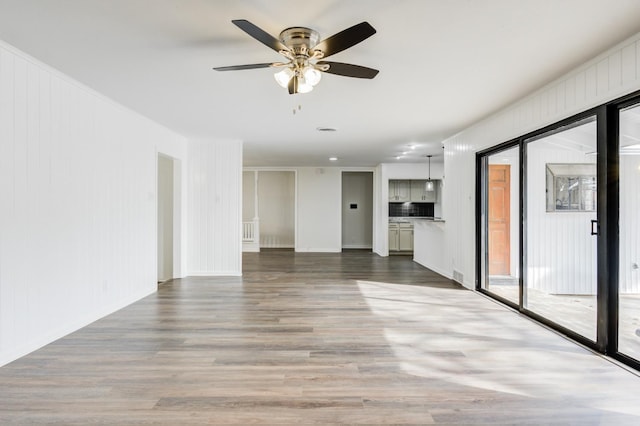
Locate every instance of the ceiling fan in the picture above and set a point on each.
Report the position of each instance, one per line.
(305, 54)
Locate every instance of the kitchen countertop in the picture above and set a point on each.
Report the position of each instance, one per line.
(399, 219)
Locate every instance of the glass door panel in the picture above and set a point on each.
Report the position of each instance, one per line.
(500, 266)
(560, 278)
(629, 245)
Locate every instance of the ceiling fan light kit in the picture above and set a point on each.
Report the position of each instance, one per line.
(301, 46)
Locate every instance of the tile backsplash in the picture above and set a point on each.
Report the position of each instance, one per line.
(410, 209)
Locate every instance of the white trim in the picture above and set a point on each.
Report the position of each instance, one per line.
(318, 250)
(215, 274)
(15, 353)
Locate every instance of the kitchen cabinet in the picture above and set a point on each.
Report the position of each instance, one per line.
(399, 190)
(420, 195)
(405, 239)
(394, 237)
(400, 237)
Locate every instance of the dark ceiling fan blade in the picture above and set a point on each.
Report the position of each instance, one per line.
(244, 67)
(293, 85)
(349, 70)
(260, 35)
(345, 39)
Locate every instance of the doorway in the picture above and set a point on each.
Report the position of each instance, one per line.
(276, 208)
(165, 217)
(357, 210)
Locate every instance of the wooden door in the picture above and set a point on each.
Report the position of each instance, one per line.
(499, 223)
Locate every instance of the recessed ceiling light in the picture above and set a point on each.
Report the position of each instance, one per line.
(333, 158)
(325, 129)
(404, 153)
(398, 157)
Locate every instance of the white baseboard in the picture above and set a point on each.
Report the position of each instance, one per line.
(215, 274)
(318, 250)
(442, 272)
(41, 341)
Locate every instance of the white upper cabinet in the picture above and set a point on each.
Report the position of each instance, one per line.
(399, 190)
(419, 194)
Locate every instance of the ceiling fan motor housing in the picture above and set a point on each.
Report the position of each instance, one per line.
(300, 39)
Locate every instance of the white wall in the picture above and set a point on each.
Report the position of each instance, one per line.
(248, 196)
(214, 207)
(77, 204)
(319, 209)
(276, 208)
(429, 245)
(608, 76)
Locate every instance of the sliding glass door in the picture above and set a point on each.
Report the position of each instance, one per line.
(561, 242)
(501, 248)
(629, 225)
(559, 226)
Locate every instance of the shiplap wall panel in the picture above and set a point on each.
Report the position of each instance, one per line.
(628, 64)
(560, 247)
(629, 224)
(606, 77)
(637, 62)
(215, 207)
(78, 208)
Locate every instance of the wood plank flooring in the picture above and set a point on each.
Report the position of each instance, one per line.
(307, 338)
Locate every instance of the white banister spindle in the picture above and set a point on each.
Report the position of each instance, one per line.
(248, 231)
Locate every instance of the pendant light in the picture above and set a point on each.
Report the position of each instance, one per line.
(429, 186)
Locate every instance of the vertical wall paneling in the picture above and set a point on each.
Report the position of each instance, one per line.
(560, 250)
(629, 273)
(215, 207)
(603, 73)
(606, 77)
(637, 76)
(628, 64)
(615, 70)
(78, 204)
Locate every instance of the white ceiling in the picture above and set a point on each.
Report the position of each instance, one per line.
(444, 64)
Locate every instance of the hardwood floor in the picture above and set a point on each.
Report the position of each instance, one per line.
(316, 339)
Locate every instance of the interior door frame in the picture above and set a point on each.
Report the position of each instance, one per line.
(373, 203)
